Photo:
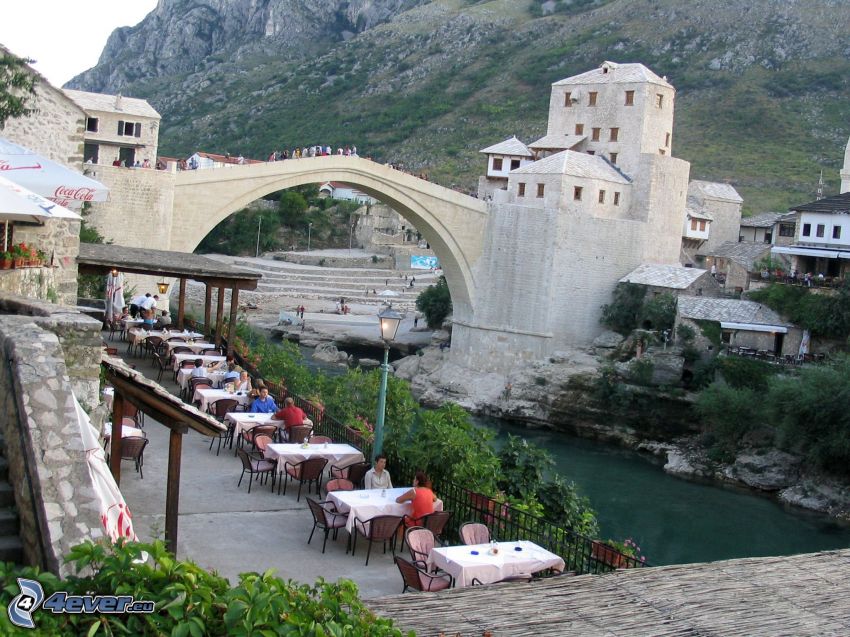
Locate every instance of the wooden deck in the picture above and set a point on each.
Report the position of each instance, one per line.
(800, 596)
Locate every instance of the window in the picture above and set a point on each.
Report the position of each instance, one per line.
(591, 152)
(667, 140)
(91, 124)
(821, 229)
(702, 225)
(616, 199)
(661, 151)
(836, 232)
(579, 129)
(615, 134)
(630, 98)
(591, 98)
(613, 158)
(520, 190)
(693, 224)
(577, 193)
(91, 152)
(568, 99)
(787, 229)
(497, 163)
(514, 164)
(540, 188)
(659, 100)
(601, 196)
(807, 230)
(768, 237)
(595, 134)
(129, 129)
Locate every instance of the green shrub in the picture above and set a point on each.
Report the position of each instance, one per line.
(641, 370)
(711, 330)
(823, 314)
(685, 333)
(729, 413)
(622, 314)
(659, 312)
(746, 373)
(435, 302)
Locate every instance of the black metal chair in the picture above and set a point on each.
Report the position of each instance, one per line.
(381, 528)
(263, 468)
(353, 472)
(326, 518)
(220, 408)
(309, 471)
(420, 579)
(133, 448)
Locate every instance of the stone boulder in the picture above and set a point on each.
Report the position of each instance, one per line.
(328, 353)
(666, 368)
(820, 494)
(769, 471)
(368, 363)
(607, 340)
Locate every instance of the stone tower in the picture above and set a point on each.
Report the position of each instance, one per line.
(845, 171)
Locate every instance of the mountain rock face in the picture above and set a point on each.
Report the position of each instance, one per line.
(762, 84)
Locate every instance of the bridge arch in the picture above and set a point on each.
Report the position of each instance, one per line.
(451, 222)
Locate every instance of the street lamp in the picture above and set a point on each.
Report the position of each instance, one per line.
(309, 232)
(389, 320)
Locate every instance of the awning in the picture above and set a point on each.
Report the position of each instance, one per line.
(19, 204)
(754, 327)
(803, 251)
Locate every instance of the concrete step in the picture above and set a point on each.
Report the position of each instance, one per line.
(7, 495)
(11, 549)
(9, 523)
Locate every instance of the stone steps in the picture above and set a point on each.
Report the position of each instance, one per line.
(11, 549)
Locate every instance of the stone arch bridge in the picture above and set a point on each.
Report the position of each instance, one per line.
(453, 223)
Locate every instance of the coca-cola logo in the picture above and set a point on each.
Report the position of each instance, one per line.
(74, 194)
(5, 165)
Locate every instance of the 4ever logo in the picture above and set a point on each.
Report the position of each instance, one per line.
(31, 598)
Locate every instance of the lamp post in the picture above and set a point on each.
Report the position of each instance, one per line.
(389, 320)
(309, 232)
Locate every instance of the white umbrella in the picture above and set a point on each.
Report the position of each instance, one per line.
(19, 204)
(47, 178)
(804, 343)
(114, 294)
(388, 293)
(114, 514)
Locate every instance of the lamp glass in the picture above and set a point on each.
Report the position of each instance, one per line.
(163, 287)
(390, 320)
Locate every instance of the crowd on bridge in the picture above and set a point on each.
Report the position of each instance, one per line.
(313, 151)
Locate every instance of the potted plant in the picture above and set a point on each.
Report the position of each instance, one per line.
(18, 254)
(316, 401)
(6, 260)
(616, 553)
(32, 256)
(42, 257)
(360, 427)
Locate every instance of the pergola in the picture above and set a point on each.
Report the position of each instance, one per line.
(98, 258)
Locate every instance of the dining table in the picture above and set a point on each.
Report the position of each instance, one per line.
(207, 395)
(126, 431)
(489, 563)
(365, 504)
(206, 358)
(245, 421)
(196, 346)
(184, 374)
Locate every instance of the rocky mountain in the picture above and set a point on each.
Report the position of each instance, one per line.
(762, 84)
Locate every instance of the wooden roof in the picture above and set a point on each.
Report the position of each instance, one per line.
(838, 204)
(800, 595)
(100, 258)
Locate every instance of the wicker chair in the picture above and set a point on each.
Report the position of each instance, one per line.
(263, 468)
(249, 435)
(381, 528)
(436, 523)
(353, 472)
(320, 440)
(182, 349)
(326, 518)
(299, 433)
(309, 471)
(420, 542)
(158, 362)
(133, 448)
(419, 579)
(474, 533)
(261, 442)
(339, 484)
(220, 409)
(195, 383)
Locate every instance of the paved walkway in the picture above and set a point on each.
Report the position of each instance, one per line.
(225, 528)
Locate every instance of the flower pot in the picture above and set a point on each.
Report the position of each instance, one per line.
(6, 264)
(18, 262)
(607, 555)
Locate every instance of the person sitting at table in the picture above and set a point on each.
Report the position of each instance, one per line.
(164, 320)
(232, 375)
(225, 364)
(291, 415)
(125, 314)
(264, 404)
(421, 496)
(200, 371)
(244, 383)
(378, 477)
(148, 320)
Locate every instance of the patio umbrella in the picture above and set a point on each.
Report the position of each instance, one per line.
(804, 343)
(47, 178)
(19, 204)
(388, 293)
(114, 514)
(114, 294)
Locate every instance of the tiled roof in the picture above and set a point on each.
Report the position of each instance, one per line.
(558, 142)
(675, 277)
(227, 159)
(744, 252)
(764, 220)
(576, 164)
(111, 103)
(612, 72)
(699, 214)
(703, 308)
(716, 190)
(838, 204)
(511, 146)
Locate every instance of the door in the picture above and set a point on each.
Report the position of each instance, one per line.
(777, 344)
(128, 156)
(90, 152)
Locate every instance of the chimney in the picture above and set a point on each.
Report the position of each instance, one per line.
(118, 102)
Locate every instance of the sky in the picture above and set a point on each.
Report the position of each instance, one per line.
(65, 37)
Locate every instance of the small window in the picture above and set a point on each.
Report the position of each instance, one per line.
(497, 163)
(615, 134)
(601, 196)
(577, 193)
(693, 224)
(540, 188)
(659, 100)
(821, 229)
(591, 152)
(579, 129)
(120, 127)
(595, 134)
(667, 140)
(613, 158)
(787, 229)
(91, 124)
(514, 164)
(520, 190)
(630, 98)
(137, 130)
(661, 151)
(702, 225)
(568, 99)
(836, 232)
(616, 199)
(807, 230)
(768, 237)
(591, 98)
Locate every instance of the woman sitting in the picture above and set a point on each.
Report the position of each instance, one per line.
(421, 496)
(244, 383)
(148, 319)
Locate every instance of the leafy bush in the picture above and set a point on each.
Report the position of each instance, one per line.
(189, 600)
(659, 312)
(729, 413)
(685, 333)
(711, 330)
(435, 302)
(746, 373)
(622, 314)
(825, 315)
(523, 467)
(640, 371)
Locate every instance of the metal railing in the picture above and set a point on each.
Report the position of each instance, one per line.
(581, 554)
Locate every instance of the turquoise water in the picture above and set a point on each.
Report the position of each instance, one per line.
(674, 520)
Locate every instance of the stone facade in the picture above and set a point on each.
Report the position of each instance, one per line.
(51, 354)
(723, 203)
(60, 241)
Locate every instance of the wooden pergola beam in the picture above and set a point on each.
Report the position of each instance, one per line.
(231, 326)
(219, 316)
(207, 309)
(181, 303)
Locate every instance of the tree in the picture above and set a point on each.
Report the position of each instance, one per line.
(17, 86)
(622, 314)
(291, 208)
(659, 312)
(435, 302)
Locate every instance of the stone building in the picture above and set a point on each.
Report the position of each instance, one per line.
(673, 279)
(845, 170)
(736, 263)
(117, 128)
(775, 228)
(568, 226)
(720, 202)
(502, 158)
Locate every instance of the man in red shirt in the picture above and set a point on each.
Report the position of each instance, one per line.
(291, 415)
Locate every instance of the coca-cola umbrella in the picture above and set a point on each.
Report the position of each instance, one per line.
(20, 204)
(47, 178)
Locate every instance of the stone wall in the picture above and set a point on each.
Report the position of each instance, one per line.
(49, 355)
(60, 241)
(33, 283)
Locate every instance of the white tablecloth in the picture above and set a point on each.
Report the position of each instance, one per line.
(336, 454)
(207, 358)
(365, 504)
(244, 421)
(195, 347)
(126, 432)
(183, 376)
(463, 565)
(207, 396)
(138, 334)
